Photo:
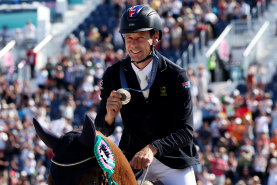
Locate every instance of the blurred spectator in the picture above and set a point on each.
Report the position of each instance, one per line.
(118, 7)
(68, 108)
(165, 43)
(202, 78)
(104, 32)
(176, 8)
(93, 35)
(262, 124)
(72, 43)
(117, 39)
(29, 32)
(219, 167)
(176, 35)
(272, 179)
(3, 167)
(211, 19)
(18, 36)
(190, 25)
(260, 164)
(5, 36)
(194, 86)
(8, 65)
(245, 10)
(31, 60)
(232, 162)
(274, 121)
(42, 78)
(205, 136)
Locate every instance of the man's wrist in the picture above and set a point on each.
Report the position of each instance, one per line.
(109, 120)
(153, 148)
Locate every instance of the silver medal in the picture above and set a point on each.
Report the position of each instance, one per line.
(125, 96)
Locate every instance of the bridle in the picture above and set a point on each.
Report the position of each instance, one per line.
(100, 180)
(103, 176)
(72, 164)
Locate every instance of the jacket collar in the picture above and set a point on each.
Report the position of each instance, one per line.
(162, 63)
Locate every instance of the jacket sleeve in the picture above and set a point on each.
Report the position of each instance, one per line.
(182, 119)
(106, 88)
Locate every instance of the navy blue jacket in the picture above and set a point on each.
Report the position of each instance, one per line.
(165, 119)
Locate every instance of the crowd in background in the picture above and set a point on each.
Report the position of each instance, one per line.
(182, 20)
(237, 141)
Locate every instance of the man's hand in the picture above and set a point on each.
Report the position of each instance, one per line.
(113, 106)
(143, 158)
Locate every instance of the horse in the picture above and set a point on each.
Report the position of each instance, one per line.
(85, 157)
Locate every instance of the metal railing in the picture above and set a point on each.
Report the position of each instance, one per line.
(255, 51)
(218, 41)
(194, 52)
(7, 48)
(43, 51)
(17, 68)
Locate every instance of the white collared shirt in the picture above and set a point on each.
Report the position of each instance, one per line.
(146, 70)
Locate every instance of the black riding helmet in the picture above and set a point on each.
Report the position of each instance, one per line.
(140, 18)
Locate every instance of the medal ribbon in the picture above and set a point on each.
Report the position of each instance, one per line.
(152, 75)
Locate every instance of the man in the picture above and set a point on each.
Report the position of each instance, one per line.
(158, 122)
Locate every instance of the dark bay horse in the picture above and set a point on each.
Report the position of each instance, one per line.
(85, 157)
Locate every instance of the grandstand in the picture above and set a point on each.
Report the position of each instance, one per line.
(228, 48)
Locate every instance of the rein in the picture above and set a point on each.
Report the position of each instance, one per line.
(72, 164)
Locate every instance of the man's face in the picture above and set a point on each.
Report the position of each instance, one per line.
(138, 45)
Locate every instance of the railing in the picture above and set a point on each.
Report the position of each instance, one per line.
(7, 48)
(194, 53)
(7, 51)
(43, 51)
(218, 41)
(21, 68)
(217, 56)
(255, 51)
(17, 68)
(233, 42)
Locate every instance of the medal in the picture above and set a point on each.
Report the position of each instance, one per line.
(125, 96)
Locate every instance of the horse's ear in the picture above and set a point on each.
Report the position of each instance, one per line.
(48, 137)
(88, 135)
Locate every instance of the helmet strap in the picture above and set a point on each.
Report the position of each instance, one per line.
(123, 38)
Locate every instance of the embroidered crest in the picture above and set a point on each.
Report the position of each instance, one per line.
(186, 84)
(163, 91)
(134, 10)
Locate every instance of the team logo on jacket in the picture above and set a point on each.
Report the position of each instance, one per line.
(186, 84)
(134, 10)
(163, 91)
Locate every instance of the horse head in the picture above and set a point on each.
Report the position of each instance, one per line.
(74, 160)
